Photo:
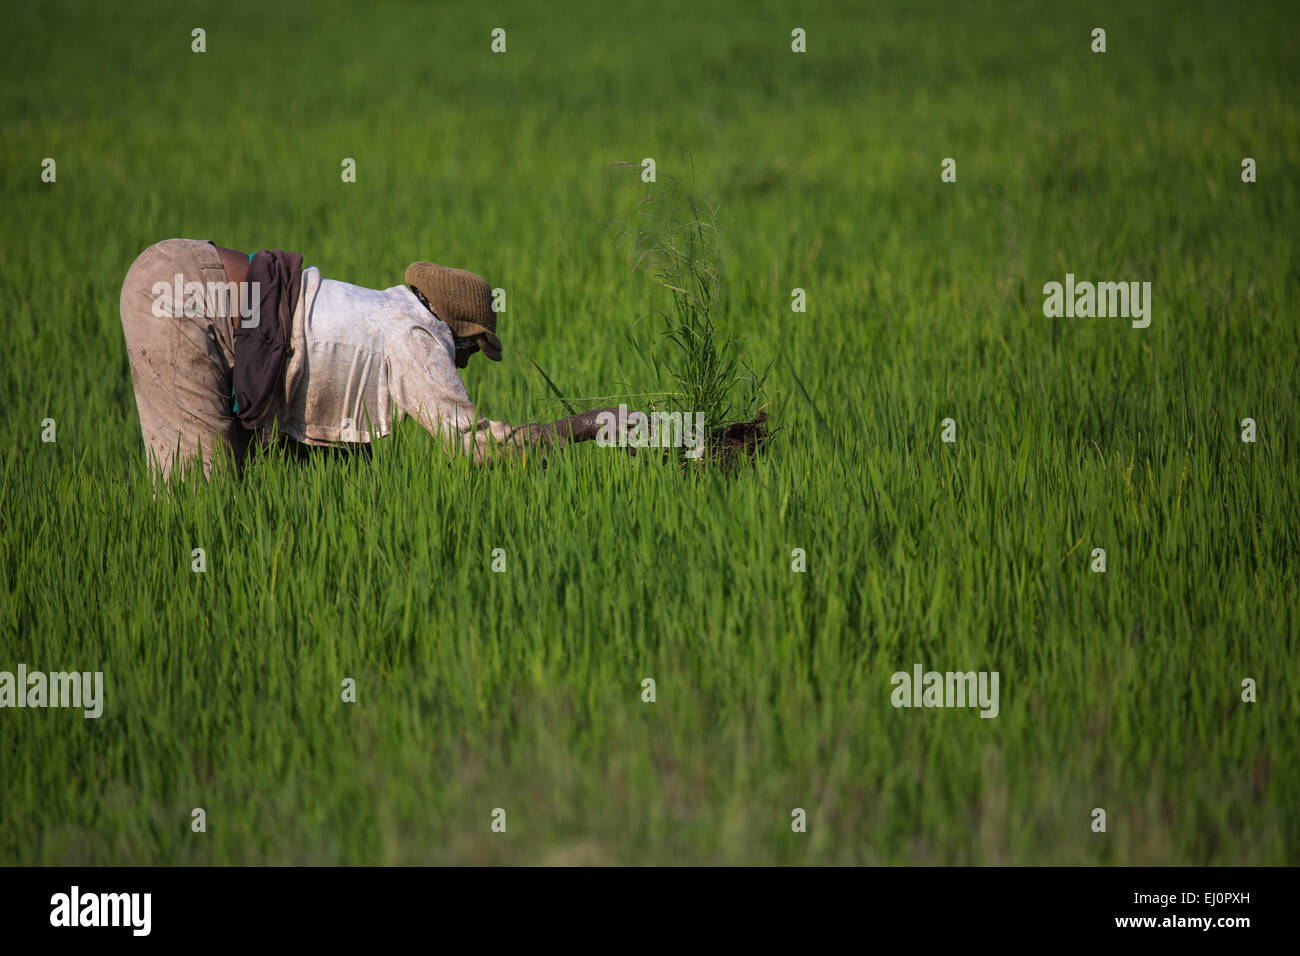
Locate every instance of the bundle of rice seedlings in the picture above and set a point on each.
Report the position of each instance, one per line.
(674, 238)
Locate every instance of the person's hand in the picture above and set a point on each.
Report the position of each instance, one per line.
(584, 426)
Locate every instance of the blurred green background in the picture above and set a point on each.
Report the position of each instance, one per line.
(522, 690)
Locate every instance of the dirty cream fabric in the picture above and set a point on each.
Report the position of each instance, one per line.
(181, 358)
(364, 358)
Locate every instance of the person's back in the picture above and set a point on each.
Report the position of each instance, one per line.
(370, 352)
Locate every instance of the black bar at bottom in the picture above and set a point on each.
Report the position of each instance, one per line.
(335, 905)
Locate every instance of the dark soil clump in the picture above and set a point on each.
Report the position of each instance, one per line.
(729, 445)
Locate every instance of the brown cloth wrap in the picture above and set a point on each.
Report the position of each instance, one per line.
(262, 350)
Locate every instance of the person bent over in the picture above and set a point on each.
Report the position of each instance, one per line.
(226, 348)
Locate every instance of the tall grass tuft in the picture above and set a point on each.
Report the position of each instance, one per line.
(674, 237)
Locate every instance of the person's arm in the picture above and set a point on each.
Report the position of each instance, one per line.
(584, 426)
(426, 386)
(491, 441)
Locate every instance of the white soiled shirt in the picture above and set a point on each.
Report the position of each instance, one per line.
(365, 357)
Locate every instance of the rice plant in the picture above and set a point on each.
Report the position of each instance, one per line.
(674, 237)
